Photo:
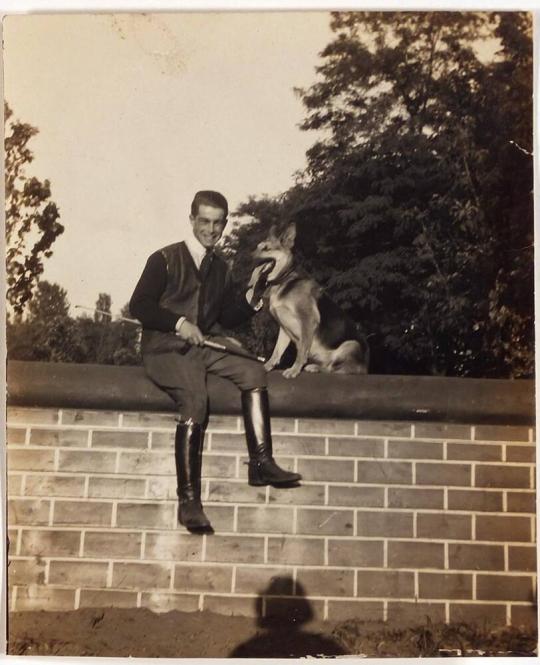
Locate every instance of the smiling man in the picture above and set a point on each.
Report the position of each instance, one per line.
(184, 296)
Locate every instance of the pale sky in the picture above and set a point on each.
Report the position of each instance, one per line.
(138, 111)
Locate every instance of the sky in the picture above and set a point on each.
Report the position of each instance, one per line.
(137, 111)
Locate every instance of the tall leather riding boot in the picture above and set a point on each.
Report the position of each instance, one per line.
(188, 447)
(262, 469)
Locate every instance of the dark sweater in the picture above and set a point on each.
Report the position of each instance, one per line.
(171, 286)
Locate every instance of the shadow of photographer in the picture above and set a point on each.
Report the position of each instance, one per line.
(280, 621)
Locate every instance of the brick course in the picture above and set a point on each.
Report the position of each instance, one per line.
(393, 520)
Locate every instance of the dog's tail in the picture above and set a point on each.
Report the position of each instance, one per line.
(362, 339)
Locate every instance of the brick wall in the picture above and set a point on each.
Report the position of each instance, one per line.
(394, 520)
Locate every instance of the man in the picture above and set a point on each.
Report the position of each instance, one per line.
(183, 295)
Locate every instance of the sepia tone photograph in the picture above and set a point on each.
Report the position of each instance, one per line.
(270, 334)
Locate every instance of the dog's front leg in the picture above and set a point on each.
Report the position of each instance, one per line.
(302, 349)
(282, 343)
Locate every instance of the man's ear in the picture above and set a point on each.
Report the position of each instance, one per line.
(289, 236)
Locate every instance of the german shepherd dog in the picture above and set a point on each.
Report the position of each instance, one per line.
(325, 337)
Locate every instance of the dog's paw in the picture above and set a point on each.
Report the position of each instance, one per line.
(292, 372)
(312, 367)
(269, 365)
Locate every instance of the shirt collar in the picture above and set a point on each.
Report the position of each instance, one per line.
(196, 250)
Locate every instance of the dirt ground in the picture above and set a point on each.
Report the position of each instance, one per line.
(142, 633)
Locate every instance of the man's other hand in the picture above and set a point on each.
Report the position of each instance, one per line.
(190, 332)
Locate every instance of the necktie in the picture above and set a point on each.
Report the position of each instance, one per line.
(204, 268)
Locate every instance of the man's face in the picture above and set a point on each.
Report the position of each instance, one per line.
(208, 225)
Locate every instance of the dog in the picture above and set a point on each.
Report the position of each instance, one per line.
(326, 339)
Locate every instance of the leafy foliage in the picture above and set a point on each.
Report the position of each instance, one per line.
(32, 223)
(48, 333)
(415, 209)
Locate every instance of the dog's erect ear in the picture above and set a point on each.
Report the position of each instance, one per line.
(288, 236)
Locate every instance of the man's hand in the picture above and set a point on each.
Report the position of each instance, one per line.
(190, 332)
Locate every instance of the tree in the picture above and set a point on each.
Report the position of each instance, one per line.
(47, 333)
(31, 217)
(415, 210)
(48, 301)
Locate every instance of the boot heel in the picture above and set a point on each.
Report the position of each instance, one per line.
(254, 475)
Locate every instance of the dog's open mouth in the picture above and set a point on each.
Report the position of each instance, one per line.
(266, 264)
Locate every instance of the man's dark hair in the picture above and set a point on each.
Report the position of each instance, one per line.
(209, 198)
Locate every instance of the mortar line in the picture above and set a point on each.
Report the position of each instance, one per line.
(531, 435)
(173, 573)
(416, 585)
(14, 598)
(139, 598)
(60, 416)
(295, 520)
(143, 545)
(265, 549)
(325, 611)
(208, 441)
(505, 501)
(415, 524)
(503, 452)
(445, 498)
(233, 579)
(51, 511)
(203, 548)
(533, 528)
(447, 612)
(201, 602)
(296, 426)
(86, 489)
(413, 472)
(327, 445)
(114, 512)
(446, 556)
(325, 551)
(263, 608)
(294, 579)
(445, 451)
(23, 484)
(235, 518)
(77, 600)
(109, 574)
(56, 459)
(326, 494)
(355, 471)
(149, 440)
(385, 448)
(267, 495)
(47, 570)
(473, 527)
(385, 496)
(81, 543)
(508, 614)
(474, 586)
(27, 436)
(473, 432)
(117, 462)
(355, 582)
(385, 610)
(531, 479)
(18, 542)
(355, 430)
(237, 467)
(120, 422)
(385, 553)
(413, 431)
(506, 557)
(89, 437)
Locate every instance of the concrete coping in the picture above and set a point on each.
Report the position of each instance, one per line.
(372, 397)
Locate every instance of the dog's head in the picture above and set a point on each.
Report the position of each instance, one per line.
(276, 246)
